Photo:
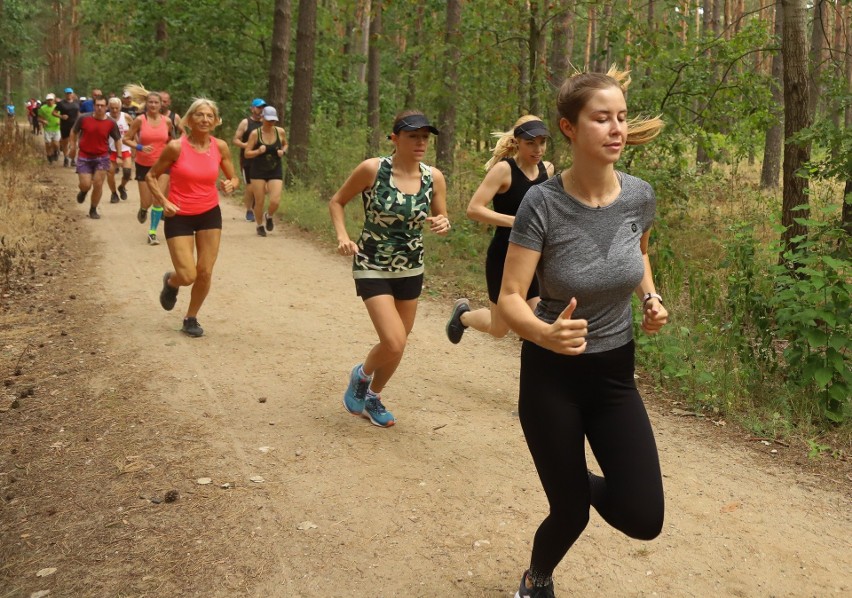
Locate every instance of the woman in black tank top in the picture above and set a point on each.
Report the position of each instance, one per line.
(515, 166)
(265, 147)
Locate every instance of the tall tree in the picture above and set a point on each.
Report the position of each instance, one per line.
(797, 116)
(303, 86)
(279, 62)
(817, 44)
(373, 71)
(452, 54)
(363, 15)
(414, 62)
(773, 143)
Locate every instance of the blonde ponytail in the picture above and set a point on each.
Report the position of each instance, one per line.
(507, 145)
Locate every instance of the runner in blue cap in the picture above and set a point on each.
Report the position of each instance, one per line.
(244, 129)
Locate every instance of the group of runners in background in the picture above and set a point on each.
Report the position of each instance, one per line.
(570, 247)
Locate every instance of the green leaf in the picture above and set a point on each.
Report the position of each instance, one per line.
(823, 376)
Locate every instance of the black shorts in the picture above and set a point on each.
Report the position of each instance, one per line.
(142, 172)
(495, 258)
(65, 130)
(187, 226)
(402, 289)
(246, 172)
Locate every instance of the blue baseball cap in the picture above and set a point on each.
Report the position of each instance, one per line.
(258, 103)
(69, 90)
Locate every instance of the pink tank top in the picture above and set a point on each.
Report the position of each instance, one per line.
(192, 186)
(156, 136)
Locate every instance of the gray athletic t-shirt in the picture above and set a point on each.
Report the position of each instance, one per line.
(589, 253)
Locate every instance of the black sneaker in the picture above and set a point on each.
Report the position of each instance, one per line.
(142, 215)
(191, 327)
(261, 232)
(168, 296)
(113, 198)
(122, 192)
(455, 328)
(65, 162)
(73, 163)
(525, 592)
(81, 197)
(270, 223)
(93, 214)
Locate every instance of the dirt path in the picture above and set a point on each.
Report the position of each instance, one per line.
(443, 504)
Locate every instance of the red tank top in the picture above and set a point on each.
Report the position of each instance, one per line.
(192, 186)
(157, 136)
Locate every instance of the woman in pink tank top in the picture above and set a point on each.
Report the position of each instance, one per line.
(193, 220)
(148, 135)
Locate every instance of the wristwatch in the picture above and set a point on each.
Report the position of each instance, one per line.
(647, 296)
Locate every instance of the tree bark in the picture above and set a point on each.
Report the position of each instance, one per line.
(373, 64)
(447, 119)
(797, 116)
(773, 145)
(364, 10)
(279, 61)
(703, 162)
(411, 88)
(303, 85)
(536, 49)
(817, 43)
(161, 32)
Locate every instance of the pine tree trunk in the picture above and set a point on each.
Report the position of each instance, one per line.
(797, 116)
(447, 119)
(373, 64)
(773, 145)
(817, 42)
(303, 85)
(279, 62)
(364, 11)
(411, 88)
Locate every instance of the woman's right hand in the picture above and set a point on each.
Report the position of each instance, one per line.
(169, 209)
(148, 149)
(347, 247)
(566, 335)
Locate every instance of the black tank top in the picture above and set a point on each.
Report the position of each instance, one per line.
(252, 125)
(269, 162)
(510, 201)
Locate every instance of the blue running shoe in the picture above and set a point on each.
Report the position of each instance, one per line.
(376, 412)
(356, 392)
(249, 216)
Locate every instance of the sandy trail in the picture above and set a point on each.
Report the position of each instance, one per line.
(446, 502)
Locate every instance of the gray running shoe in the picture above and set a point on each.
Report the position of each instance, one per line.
(455, 328)
(270, 223)
(152, 239)
(142, 215)
(122, 192)
(168, 296)
(261, 232)
(93, 214)
(525, 592)
(113, 198)
(191, 327)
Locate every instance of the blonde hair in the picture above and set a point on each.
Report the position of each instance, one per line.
(139, 94)
(507, 144)
(579, 87)
(193, 108)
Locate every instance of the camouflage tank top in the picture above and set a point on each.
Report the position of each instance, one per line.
(391, 243)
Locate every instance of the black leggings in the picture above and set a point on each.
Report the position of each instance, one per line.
(564, 400)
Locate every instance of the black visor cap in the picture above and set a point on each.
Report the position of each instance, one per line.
(414, 122)
(532, 129)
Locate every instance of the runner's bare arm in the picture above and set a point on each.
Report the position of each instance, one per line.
(439, 223)
(232, 181)
(167, 158)
(361, 179)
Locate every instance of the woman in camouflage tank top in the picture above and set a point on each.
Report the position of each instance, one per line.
(401, 195)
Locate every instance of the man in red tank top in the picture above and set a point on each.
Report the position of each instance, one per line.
(94, 131)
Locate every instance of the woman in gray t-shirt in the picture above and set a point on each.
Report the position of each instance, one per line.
(584, 234)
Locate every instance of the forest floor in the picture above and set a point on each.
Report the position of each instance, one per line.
(112, 423)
